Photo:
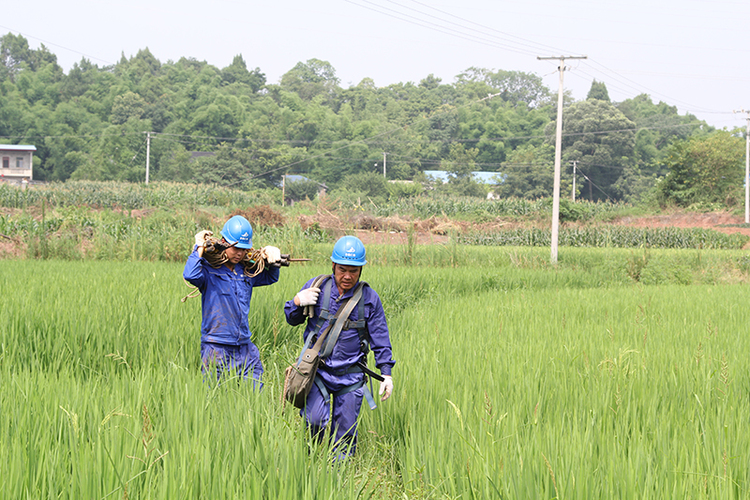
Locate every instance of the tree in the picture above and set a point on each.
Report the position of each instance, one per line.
(598, 90)
(126, 106)
(143, 64)
(658, 126)
(529, 173)
(237, 73)
(601, 139)
(371, 184)
(310, 79)
(16, 55)
(460, 164)
(303, 189)
(514, 86)
(704, 170)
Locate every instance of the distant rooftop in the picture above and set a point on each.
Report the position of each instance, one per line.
(17, 147)
(481, 177)
(300, 178)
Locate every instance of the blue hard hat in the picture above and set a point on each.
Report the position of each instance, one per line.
(238, 230)
(349, 251)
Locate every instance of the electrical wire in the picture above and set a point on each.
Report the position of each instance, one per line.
(595, 185)
(519, 45)
(56, 45)
(436, 27)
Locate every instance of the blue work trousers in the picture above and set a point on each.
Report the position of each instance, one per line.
(243, 360)
(342, 414)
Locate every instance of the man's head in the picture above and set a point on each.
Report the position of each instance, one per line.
(348, 257)
(346, 277)
(235, 255)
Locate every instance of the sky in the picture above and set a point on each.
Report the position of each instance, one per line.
(691, 54)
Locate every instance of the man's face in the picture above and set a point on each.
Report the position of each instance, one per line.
(235, 255)
(346, 276)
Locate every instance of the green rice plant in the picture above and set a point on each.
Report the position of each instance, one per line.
(559, 393)
(103, 396)
(514, 379)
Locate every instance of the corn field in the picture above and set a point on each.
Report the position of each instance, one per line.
(514, 379)
(125, 196)
(426, 207)
(611, 236)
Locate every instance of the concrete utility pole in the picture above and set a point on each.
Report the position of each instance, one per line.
(575, 164)
(148, 153)
(384, 155)
(558, 156)
(747, 167)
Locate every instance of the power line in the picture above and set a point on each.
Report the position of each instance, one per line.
(533, 46)
(436, 27)
(594, 184)
(56, 45)
(518, 46)
(639, 88)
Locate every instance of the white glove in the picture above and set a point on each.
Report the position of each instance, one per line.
(386, 387)
(272, 254)
(308, 296)
(200, 238)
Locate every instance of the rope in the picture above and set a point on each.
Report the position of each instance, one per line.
(215, 254)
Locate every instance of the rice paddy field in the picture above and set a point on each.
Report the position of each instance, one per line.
(618, 374)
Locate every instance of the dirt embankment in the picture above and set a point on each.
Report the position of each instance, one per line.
(398, 231)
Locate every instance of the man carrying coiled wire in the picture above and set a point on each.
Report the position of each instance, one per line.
(340, 383)
(225, 271)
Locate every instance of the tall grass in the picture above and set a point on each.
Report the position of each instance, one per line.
(612, 236)
(426, 207)
(128, 196)
(79, 233)
(514, 379)
(103, 397)
(561, 393)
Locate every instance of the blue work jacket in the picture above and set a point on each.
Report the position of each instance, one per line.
(347, 350)
(225, 298)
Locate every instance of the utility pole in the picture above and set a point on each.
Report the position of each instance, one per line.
(384, 155)
(148, 153)
(558, 156)
(575, 163)
(747, 167)
(283, 188)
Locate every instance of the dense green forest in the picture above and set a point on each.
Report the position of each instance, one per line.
(91, 124)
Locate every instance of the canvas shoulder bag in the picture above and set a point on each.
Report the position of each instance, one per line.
(299, 378)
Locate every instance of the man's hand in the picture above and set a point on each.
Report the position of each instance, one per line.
(200, 238)
(307, 297)
(271, 254)
(386, 387)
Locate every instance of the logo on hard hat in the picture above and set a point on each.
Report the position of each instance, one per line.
(350, 251)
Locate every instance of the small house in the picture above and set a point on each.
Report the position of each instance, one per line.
(15, 162)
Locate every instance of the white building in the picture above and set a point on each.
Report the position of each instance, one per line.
(15, 162)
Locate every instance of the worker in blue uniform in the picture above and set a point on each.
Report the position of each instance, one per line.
(336, 397)
(225, 299)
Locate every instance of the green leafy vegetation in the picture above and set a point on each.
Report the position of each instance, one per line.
(230, 127)
(570, 377)
(612, 236)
